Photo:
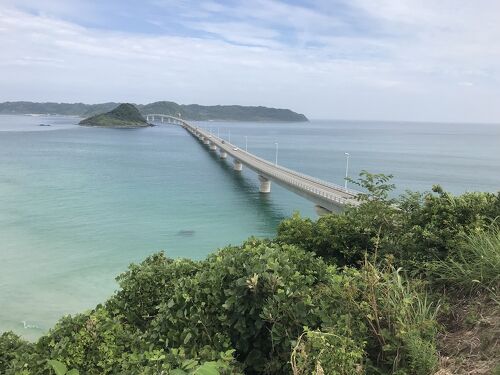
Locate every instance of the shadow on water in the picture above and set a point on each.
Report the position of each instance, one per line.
(272, 213)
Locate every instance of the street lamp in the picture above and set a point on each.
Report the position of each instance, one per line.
(276, 157)
(229, 140)
(218, 136)
(246, 143)
(347, 155)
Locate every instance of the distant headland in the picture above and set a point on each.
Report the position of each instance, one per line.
(124, 116)
(188, 112)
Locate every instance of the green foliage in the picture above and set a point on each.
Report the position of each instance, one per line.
(61, 369)
(326, 353)
(11, 347)
(474, 265)
(401, 319)
(125, 115)
(435, 223)
(376, 185)
(255, 298)
(275, 307)
(413, 229)
(143, 287)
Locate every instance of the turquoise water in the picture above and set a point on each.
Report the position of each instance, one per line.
(77, 205)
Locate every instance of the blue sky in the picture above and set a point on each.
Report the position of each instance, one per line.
(417, 60)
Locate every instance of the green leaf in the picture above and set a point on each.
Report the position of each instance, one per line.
(187, 338)
(73, 372)
(208, 368)
(58, 367)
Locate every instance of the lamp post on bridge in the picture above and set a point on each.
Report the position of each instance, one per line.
(276, 156)
(229, 140)
(218, 136)
(347, 155)
(246, 143)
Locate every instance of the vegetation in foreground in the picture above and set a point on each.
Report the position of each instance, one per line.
(393, 286)
(123, 116)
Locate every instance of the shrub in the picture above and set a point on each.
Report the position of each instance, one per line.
(255, 298)
(12, 347)
(414, 229)
(319, 352)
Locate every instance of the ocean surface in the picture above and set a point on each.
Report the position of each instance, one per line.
(77, 204)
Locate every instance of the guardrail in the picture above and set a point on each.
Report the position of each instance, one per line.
(280, 170)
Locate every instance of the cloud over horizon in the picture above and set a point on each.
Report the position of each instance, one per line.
(415, 60)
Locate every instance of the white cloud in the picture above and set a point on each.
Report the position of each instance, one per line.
(416, 60)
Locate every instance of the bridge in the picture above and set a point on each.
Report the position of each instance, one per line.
(327, 197)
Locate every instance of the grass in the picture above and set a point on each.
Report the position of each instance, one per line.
(475, 265)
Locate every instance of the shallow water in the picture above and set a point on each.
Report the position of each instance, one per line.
(77, 205)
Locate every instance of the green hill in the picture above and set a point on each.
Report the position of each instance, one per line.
(124, 116)
(187, 111)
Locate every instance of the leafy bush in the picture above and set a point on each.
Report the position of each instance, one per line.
(414, 229)
(255, 298)
(143, 287)
(319, 352)
(11, 347)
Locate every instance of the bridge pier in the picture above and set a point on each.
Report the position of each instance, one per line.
(265, 185)
(237, 165)
(223, 154)
(206, 141)
(321, 211)
(213, 147)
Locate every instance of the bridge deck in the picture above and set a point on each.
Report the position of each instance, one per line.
(310, 186)
(321, 192)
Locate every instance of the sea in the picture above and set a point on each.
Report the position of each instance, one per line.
(79, 204)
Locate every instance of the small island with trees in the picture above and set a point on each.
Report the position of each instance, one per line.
(124, 116)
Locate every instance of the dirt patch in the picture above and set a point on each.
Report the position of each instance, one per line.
(470, 343)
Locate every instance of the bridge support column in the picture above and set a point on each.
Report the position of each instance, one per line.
(206, 141)
(237, 165)
(265, 185)
(213, 147)
(321, 211)
(223, 154)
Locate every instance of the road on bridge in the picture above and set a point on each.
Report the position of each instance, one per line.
(319, 191)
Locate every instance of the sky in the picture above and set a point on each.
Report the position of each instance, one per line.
(413, 60)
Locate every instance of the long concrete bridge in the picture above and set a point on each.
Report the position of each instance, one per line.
(325, 195)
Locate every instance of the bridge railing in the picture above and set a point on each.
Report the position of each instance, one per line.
(301, 185)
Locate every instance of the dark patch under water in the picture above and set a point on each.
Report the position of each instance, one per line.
(186, 233)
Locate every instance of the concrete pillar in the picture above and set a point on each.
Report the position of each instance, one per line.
(223, 154)
(265, 185)
(321, 211)
(237, 165)
(206, 141)
(213, 147)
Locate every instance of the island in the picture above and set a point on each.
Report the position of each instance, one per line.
(189, 112)
(124, 116)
